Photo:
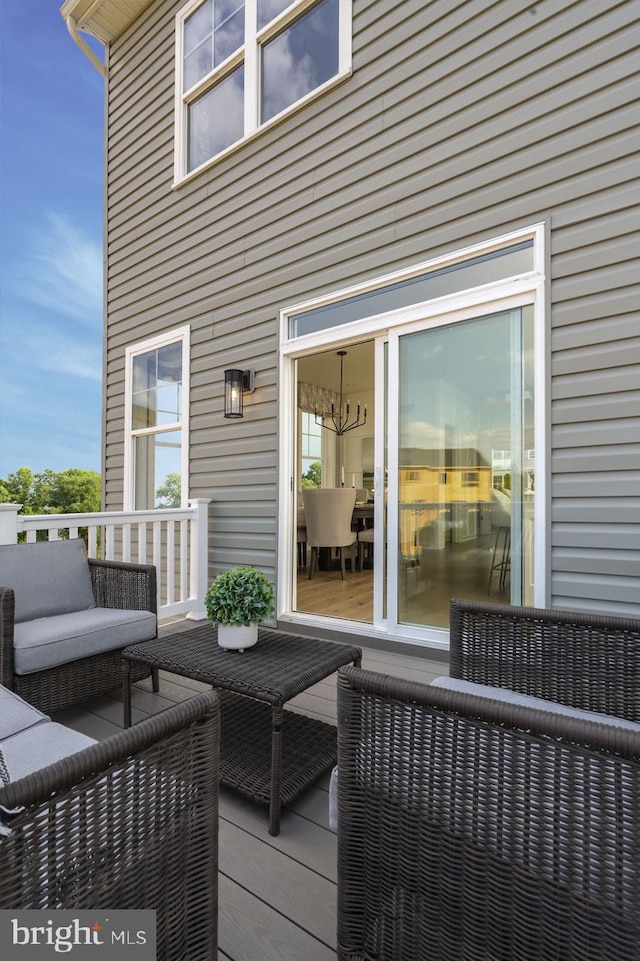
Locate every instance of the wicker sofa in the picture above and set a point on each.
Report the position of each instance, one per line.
(478, 822)
(128, 822)
(65, 618)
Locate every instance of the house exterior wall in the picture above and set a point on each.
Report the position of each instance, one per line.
(461, 121)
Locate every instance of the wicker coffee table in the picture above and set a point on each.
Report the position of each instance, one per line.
(266, 754)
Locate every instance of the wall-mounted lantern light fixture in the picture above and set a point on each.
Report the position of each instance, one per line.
(235, 383)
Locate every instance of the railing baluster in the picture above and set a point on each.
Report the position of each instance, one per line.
(199, 553)
(92, 545)
(112, 535)
(109, 551)
(184, 558)
(157, 558)
(126, 542)
(171, 563)
(142, 543)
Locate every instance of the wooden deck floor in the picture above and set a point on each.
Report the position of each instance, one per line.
(277, 896)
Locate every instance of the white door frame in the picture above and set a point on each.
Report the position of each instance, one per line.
(518, 292)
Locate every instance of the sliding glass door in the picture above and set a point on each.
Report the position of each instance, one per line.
(444, 469)
(461, 475)
(448, 360)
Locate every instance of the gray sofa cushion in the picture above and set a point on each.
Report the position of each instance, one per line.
(49, 641)
(48, 578)
(16, 714)
(526, 700)
(29, 740)
(36, 747)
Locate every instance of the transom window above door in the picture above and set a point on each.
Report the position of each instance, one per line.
(243, 64)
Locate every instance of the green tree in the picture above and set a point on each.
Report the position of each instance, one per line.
(72, 491)
(42, 499)
(170, 493)
(18, 488)
(313, 477)
(75, 491)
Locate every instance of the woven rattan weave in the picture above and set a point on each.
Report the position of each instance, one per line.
(588, 661)
(130, 822)
(115, 585)
(267, 754)
(476, 830)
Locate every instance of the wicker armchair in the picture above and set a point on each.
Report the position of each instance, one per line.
(129, 822)
(115, 585)
(476, 828)
(587, 661)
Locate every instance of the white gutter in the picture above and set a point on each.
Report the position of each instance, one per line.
(72, 27)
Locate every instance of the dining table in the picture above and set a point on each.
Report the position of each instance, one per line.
(362, 515)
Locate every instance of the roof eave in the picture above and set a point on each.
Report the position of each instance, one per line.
(105, 20)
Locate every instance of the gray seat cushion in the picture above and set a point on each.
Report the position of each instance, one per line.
(527, 700)
(48, 578)
(49, 641)
(16, 715)
(36, 747)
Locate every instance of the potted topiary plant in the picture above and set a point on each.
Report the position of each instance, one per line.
(236, 601)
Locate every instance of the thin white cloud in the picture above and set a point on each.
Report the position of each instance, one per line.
(64, 272)
(419, 433)
(64, 352)
(74, 360)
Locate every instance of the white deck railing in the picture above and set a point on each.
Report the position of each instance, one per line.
(173, 539)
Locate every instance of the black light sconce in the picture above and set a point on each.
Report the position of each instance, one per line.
(235, 383)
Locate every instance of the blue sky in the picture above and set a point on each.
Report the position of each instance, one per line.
(51, 194)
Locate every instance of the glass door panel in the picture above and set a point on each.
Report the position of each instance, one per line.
(465, 465)
(336, 417)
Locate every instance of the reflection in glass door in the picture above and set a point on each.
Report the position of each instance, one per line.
(465, 465)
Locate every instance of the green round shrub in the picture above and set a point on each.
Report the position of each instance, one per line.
(240, 596)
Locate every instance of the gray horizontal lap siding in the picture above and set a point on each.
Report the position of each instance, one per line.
(461, 121)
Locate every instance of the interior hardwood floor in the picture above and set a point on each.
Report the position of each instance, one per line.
(326, 593)
(460, 570)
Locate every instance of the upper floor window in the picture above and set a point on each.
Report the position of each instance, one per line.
(157, 394)
(242, 64)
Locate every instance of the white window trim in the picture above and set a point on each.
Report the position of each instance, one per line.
(182, 335)
(325, 455)
(249, 55)
(503, 295)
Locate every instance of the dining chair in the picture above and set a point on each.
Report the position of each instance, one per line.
(301, 534)
(366, 541)
(328, 513)
(501, 550)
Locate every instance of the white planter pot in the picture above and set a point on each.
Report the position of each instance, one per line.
(236, 637)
